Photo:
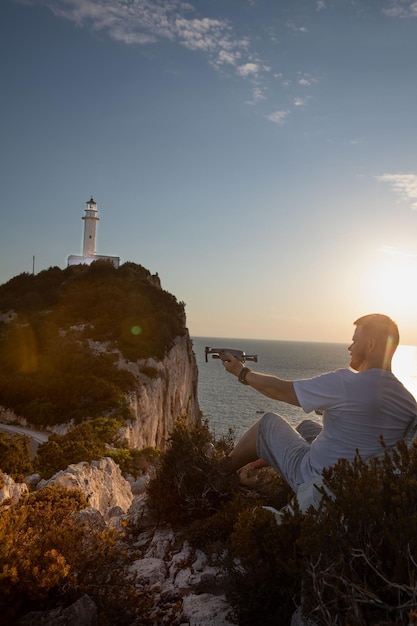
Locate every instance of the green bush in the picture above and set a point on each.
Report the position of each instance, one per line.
(15, 455)
(264, 567)
(360, 548)
(352, 562)
(86, 442)
(190, 483)
(133, 461)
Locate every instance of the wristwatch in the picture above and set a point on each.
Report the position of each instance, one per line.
(242, 375)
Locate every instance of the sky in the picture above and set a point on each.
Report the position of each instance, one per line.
(259, 155)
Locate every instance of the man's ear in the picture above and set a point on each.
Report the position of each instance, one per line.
(372, 343)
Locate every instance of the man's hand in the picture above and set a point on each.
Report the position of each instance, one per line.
(231, 363)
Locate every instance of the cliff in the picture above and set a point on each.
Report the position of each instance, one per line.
(158, 401)
(96, 341)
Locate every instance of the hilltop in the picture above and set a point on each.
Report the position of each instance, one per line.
(69, 339)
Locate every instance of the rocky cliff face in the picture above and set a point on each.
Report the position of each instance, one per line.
(166, 390)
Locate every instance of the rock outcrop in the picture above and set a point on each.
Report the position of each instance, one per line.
(10, 491)
(101, 482)
(186, 589)
(182, 580)
(166, 390)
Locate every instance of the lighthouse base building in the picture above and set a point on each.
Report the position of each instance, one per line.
(89, 247)
(73, 259)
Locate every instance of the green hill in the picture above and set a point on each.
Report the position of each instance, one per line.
(62, 333)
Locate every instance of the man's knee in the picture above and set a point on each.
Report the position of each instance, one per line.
(309, 429)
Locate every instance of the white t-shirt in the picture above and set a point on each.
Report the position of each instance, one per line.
(358, 408)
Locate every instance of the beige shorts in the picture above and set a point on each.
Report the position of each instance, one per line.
(283, 447)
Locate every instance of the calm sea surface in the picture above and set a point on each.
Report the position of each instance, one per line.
(228, 404)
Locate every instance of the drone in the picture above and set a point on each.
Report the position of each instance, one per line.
(239, 354)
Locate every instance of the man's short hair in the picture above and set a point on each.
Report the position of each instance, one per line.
(383, 327)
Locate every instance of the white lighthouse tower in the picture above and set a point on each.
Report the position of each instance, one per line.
(89, 245)
(90, 225)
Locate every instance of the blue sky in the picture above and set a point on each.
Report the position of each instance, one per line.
(260, 155)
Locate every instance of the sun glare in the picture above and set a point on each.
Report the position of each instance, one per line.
(404, 366)
(390, 285)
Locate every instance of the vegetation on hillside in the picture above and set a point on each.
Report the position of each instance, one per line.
(53, 368)
(49, 558)
(15, 455)
(91, 441)
(352, 562)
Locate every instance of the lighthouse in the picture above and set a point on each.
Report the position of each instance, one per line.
(90, 228)
(89, 243)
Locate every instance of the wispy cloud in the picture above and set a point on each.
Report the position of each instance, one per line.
(306, 80)
(278, 117)
(149, 22)
(320, 5)
(146, 22)
(401, 8)
(403, 184)
(258, 95)
(299, 102)
(248, 69)
(300, 29)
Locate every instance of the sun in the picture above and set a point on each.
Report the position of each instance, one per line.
(389, 284)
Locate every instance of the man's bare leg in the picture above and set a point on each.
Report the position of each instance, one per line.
(245, 450)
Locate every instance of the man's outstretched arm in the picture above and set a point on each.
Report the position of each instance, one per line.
(270, 386)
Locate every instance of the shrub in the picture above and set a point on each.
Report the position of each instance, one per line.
(48, 558)
(360, 547)
(36, 538)
(85, 442)
(352, 562)
(191, 490)
(15, 455)
(190, 483)
(133, 461)
(264, 567)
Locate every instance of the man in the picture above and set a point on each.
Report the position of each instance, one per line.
(359, 404)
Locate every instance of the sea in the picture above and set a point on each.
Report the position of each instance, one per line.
(226, 404)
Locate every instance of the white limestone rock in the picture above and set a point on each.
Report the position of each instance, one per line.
(149, 571)
(10, 490)
(100, 481)
(139, 514)
(161, 544)
(206, 610)
(161, 399)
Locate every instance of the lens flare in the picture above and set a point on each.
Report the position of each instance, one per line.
(136, 330)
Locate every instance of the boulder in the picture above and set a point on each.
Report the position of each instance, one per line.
(206, 610)
(10, 490)
(100, 481)
(149, 571)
